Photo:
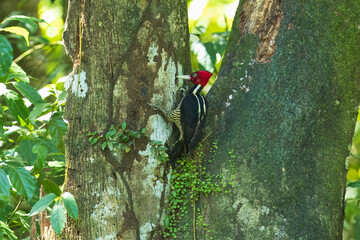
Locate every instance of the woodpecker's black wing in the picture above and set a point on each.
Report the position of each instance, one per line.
(193, 116)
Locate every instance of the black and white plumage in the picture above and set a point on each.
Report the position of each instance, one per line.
(190, 115)
(192, 110)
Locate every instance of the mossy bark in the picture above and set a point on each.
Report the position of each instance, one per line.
(285, 101)
(131, 53)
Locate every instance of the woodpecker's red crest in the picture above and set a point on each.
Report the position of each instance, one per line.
(199, 78)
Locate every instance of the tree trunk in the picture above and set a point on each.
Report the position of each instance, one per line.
(131, 53)
(285, 101)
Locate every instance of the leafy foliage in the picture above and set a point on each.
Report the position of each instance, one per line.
(31, 145)
(207, 52)
(118, 137)
(352, 197)
(6, 52)
(159, 151)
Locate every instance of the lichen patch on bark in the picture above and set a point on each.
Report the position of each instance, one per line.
(107, 209)
(166, 80)
(262, 18)
(78, 84)
(160, 132)
(152, 53)
(145, 230)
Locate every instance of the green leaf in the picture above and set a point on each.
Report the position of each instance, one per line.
(28, 92)
(58, 218)
(51, 187)
(62, 98)
(354, 184)
(6, 231)
(110, 133)
(25, 150)
(24, 124)
(32, 21)
(19, 31)
(122, 146)
(127, 149)
(57, 127)
(103, 146)
(123, 126)
(93, 141)
(210, 48)
(166, 222)
(16, 72)
(143, 130)
(38, 111)
(70, 205)
(6, 53)
(16, 105)
(6, 199)
(22, 181)
(41, 150)
(42, 204)
(124, 139)
(4, 183)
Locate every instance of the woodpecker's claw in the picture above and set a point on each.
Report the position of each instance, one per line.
(157, 108)
(153, 106)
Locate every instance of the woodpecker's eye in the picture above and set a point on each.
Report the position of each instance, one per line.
(194, 75)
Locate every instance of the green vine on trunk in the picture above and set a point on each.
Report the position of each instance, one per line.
(189, 182)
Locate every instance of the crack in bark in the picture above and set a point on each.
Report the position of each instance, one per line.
(130, 219)
(262, 18)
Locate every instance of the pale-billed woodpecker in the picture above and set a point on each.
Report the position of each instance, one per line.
(190, 115)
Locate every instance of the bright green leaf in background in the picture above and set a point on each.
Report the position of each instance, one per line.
(57, 127)
(28, 92)
(70, 205)
(6, 231)
(41, 150)
(22, 181)
(34, 138)
(42, 204)
(23, 218)
(4, 183)
(19, 31)
(16, 72)
(354, 184)
(58, 218)
(6, 56)
(356, 138)
(25, 150)
(16, 105)
(31, 21)
(39, 110)
(51, 187)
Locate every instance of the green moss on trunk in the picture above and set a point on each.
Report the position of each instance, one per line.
(290, 122)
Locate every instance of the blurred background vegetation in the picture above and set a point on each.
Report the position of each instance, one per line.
(44, 63)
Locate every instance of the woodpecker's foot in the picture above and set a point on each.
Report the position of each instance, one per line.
(153, 106)
(184, 89)
(157, 108)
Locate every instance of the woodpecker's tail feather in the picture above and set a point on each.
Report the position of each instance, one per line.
(176, 152)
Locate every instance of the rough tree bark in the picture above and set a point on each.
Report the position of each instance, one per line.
(131, 53)
(285, 101)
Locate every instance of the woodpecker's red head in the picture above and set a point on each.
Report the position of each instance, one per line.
(198, 78)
